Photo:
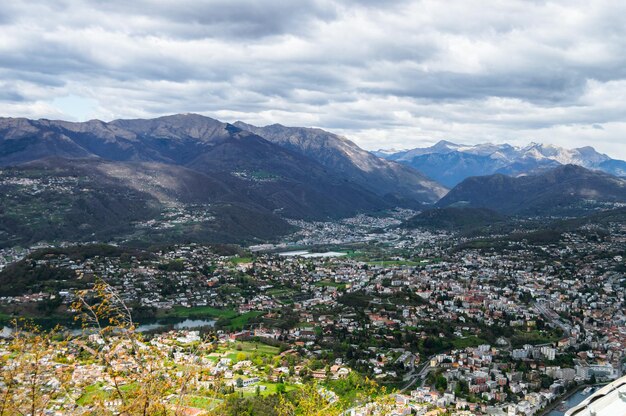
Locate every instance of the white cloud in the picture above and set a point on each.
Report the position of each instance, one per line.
(388, 74)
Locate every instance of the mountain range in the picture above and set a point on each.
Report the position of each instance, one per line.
(187, 177)
(188, 158)
(450, 163)
(342, 156)
(567, 190)
(303, 163)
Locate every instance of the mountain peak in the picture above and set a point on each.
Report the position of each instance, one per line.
(391, 151)
(337, 153)
(444, 145)
(187, 117)
(450, 163)
(558, 191)
(570, 169)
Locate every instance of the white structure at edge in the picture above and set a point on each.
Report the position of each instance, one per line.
(610, 400)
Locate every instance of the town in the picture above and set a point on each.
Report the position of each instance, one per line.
(444, 323)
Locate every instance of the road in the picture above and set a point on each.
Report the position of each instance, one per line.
(421, 375)
(552, 316)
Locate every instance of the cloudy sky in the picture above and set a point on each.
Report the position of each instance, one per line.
(384, 73)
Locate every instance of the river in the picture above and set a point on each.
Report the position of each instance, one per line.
(156, 325)
(570, 402)
(307, 254)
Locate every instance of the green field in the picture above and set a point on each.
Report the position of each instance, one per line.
(91, 393)
(240, 321)
(471, 341)
(281, 292)
(533, 338)
(271, 388)
(96, 392)
(201, 402)
(240, 260)
(354, 254)
(248, 348)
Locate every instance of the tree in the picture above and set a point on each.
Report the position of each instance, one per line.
(134, 376)
(29, 379)
(125, 355)
(441, 383)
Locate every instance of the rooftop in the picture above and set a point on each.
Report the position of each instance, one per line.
(608, 401)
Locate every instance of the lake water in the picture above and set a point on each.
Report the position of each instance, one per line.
(307, 254)
(186, 324)
(293, 253)
(571, 402)
(147, 326)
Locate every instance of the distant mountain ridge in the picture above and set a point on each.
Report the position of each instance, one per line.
(80, 200)
(96, 179)
(190, 158)
(454, 219)
(207, 145)
(383, 177)
(450, 163)
(567, 190)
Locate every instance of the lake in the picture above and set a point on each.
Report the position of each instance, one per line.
(307, 254)
(572, 401)
(167, 324)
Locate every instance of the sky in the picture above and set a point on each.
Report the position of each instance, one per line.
(386, 74)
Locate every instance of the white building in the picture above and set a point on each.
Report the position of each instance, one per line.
(608, 401)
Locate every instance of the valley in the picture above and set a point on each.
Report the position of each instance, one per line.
(194, 220)
(401, 299)
(268, 267)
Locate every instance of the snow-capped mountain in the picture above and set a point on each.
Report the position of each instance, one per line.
(386, 152)
(584, 156)
(449, 163)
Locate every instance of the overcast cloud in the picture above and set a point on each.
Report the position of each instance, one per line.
(383, 73)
